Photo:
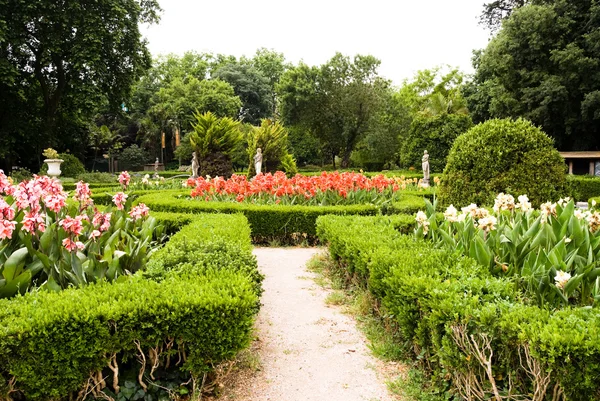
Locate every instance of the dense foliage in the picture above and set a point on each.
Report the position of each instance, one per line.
(60, 64)
(541, 66)
(502, 156)
(435, 134)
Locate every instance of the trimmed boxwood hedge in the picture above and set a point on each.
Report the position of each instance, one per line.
(436, 298)
(512, 156)
(267, 222)
(198, 298)
(583, 188)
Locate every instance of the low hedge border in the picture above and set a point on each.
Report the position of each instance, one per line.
(583, 188)
(193, 308)
(451, 314)
(408, 204)
(267, 222)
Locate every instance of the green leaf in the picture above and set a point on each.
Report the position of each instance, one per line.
(18, 284)
(14, 263)
(573, 283)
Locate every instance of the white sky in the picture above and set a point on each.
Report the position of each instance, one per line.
(405, 35)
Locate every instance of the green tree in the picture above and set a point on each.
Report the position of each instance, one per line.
(337, 102)
(430, 86)
(271, 65)
(252, 88)
(380, 146)
(214, 139)
(542, 66)
(438, 105)
(436, 134)
(495, 12)
(62, 61)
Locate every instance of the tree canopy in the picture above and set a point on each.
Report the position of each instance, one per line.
(337, 101)
(541, 66)
(60, 62)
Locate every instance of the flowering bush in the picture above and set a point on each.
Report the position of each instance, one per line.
(46, 243)
(553, 252)
(325, 189)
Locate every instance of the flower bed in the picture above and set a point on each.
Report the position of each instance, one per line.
(326, 189)
(285, 223)
(552, 253)
(44, 242)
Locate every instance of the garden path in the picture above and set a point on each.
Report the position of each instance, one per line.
(308, 351)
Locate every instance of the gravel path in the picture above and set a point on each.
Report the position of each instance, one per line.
(308, 351)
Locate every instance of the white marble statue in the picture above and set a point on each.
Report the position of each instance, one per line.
(425, 166)
(195, 165)
(258, 161)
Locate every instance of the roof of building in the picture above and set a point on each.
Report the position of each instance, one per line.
(581, 155)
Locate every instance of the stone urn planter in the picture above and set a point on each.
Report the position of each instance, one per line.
(53, 167)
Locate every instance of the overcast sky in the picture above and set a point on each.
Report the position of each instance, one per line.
(405, 35)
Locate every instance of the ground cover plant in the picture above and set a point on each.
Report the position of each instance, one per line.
(44, 242)
(473, 335)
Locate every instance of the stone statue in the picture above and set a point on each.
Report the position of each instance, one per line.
(195, 165)
(258, 161)
(425, 166)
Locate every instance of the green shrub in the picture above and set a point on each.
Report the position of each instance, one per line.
(52, 342)
(502, 156)
(583, 188)
(434, 134)
(447, 312)
(22, 174)
(408, 204)
(70, 167)
(192, 309)
(97, 177)
(272, 138)
(133, 158)
(214, 139)
(267, 222)
(208, 243)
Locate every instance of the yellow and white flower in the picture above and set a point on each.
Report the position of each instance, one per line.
(422, 221)
(451, 214)
(504, 202)
(561, 279)
(524, 203)
(487, 223)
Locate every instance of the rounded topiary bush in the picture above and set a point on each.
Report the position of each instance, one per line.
(502, 156)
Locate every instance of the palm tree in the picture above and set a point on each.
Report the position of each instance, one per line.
(214, 139)
(439, 104)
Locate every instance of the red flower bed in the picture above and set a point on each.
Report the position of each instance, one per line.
(325, 189)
